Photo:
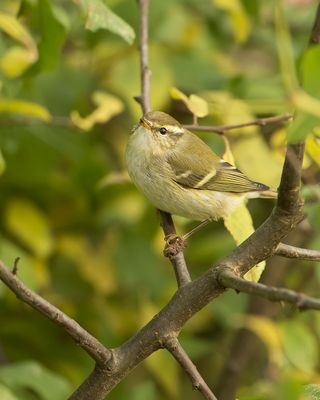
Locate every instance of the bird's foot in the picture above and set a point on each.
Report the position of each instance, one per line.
(174, 245)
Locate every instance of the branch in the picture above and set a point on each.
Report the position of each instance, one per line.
(221, 129)
(315, 33)
(144, 98)
(89, 343)
(285, 250)
(228, 279)
(174, 249)
(198, 383)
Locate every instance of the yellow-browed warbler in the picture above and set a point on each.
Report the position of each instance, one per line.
(181, 175)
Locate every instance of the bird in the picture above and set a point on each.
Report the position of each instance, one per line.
(181, 175)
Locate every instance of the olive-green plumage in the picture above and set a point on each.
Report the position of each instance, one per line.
(180, 174)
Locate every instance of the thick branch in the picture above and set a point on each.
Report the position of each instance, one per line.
(198, 383)
(89, 343)
(221, 129)
(285, 250)
(229, 280)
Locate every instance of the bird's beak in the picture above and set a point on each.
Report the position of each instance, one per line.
(145, 123)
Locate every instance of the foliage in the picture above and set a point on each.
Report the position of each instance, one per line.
(88, 241)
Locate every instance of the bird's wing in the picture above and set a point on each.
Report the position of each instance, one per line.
(206, 171)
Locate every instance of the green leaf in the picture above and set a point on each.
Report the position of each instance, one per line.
(31, 375)
(99, 16)
(313, 391)
(2, 163)
(144, 391)
(53, 34)
(303, 357)
(306, 120)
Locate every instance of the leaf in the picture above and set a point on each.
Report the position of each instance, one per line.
(197, 105)
(99, 16)
(269, 333)
(239, 224)
(31, 375)
(30, 225)
(252, 155)
(285, 50)
(239, 19)
(313, 391)
(2, 163)
(313, 148)
(25, 108)
(17, 59)
(306, 100)
(92, 262)
(143, 391)
(53, 34)
(303, 357)
(107, 107)
(6, 394)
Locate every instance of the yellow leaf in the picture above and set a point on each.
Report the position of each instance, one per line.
(30, 225)
(17, 59)
(239, 224)
(196, 104)
(107, 107)
(91, 260)
(239, 19)
(227, 155)
(255, 159)
(313, 148)
(270, 335)
(176, 94)
(25, 108)
(229, 110)
(306, 102)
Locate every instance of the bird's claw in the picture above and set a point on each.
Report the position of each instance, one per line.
(174, 245)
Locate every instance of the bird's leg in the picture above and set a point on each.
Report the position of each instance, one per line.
(174, 245)
(197, 228)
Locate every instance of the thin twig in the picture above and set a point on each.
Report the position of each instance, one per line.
(229, 279)
(315, 33)
(175, 252)
(221, 129)
(144, 98)
(285, 250)
(89, 343)
(15, 266)
(198, 383)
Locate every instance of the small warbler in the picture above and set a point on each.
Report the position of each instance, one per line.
(181, 175)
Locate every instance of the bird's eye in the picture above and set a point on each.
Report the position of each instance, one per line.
(163, 130)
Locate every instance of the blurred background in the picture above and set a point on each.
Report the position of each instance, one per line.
(91, 244)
